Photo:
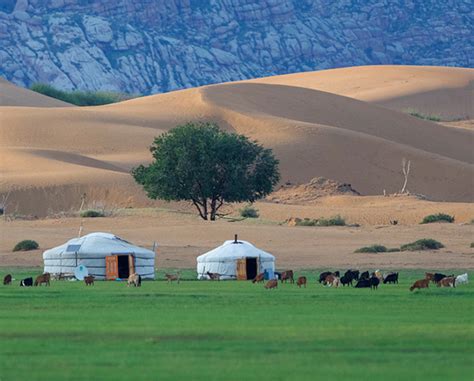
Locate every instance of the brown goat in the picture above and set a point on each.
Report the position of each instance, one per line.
(287, 275)
(273, 283)
(259, 278)
(422, 283)
(7, 280)
(332, 281)
(40, 279)
(173, 277)
(89, 280)
(449, 281)
(301, 281)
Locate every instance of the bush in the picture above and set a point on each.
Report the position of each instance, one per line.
(422, 244)
(80, 98)
(440, 217)
(472, 244)
(420, 115)
(393, 250)
(249, 211)
(333, 221)
(26, 245)
(372, 249)
(92, 213)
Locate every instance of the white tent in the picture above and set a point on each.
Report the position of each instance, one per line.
(235, 260)
(105, 255)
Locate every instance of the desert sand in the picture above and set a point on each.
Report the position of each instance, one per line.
(52, 155)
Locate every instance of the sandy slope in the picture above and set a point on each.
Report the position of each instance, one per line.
(11, 95)
(443, 91)
(49, 151)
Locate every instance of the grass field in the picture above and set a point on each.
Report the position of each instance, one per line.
(234, 331)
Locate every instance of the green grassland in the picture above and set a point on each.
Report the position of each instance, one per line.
(201, 330)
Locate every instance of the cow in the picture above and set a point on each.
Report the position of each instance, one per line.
(273, 283)
(422, 283)
(44, 278)
(346, 280)
(134, 279)
(365, 275)
(448, 281)
(301, 281)
(287, 275)
(89, 280)
(374, 282)
(27, 282)
(259, 278)
(173, 277)
(390, 278)
(7, 279)
(363, 283)
(213, 276)
(332, 281)
(462, 279)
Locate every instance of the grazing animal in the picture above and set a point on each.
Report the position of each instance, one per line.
(134, 279)
(448, 281)
(374, 282)
(259, 278)
(346, 280)
(422, 283)
(436, 277)
(378, 274)
(332, 281)
(27, 282)
(89, 280)
(273, 283)
(365, 275)
(40, 279)
(322, 276)
(462, 279)
(352, 274)
(301, 281)
(7, 279)
(213, 276)
(363, 283)
(173, 277)
(287, 275)
(391, 278)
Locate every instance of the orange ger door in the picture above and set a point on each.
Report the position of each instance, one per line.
(111, 267)
(241, 269)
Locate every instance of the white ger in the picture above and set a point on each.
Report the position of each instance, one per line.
(235, 259)
(105, 255)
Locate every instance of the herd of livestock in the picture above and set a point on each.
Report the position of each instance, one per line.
(327, 279)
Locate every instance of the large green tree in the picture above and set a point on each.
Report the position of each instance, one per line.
(200, 163)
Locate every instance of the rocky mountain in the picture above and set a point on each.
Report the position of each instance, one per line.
(150, 46)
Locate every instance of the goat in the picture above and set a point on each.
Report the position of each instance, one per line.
(213, 276)
(273, 283)
(27, 282)
(448, 281)
(89, 280)
(332, 281)
(390, 278)
(173, 277)
(134, 279)
(363, 283)
(365, 275)
(301, 281)
(374, 282)
(259, 278)
(287, 275)
(7, 280)
(422, 283)
(462, 279)
(44, 278)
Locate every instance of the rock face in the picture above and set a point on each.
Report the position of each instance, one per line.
(145, 46)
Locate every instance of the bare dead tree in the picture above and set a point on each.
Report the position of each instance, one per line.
(406, 171)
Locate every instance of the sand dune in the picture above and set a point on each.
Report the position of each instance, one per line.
(444, 91)
(11, 95)
(313, 133)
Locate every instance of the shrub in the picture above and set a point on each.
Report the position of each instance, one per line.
(26, 245)
(92, 213)
(372, 249)
(393, 250)
(420, 115)
(422, 244)
(249, 211)
(332, 221)
(440, 217)
(472, 244)
(80, 98)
